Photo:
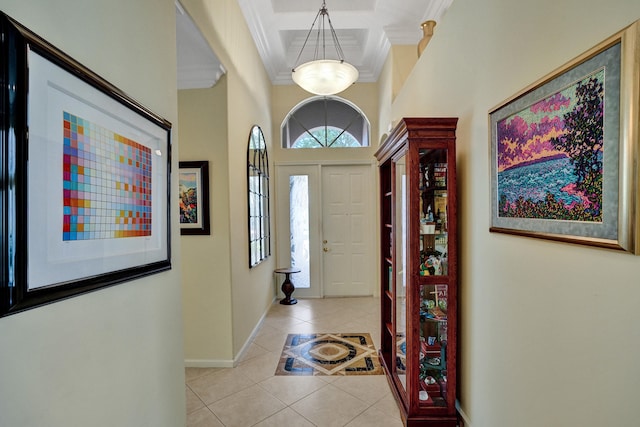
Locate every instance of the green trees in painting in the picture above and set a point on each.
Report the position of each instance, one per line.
(583, 139)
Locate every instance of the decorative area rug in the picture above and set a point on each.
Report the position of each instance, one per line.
(329, 354)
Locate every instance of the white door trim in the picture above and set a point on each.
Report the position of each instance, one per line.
(282, 218)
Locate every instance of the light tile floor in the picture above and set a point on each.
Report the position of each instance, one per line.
(251, 395)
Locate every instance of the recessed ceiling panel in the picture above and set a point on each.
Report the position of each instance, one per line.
(351, 41)
(366, 29)
(287, 6)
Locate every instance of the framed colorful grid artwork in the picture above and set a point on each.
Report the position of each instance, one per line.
(86, 188)
(106, 183)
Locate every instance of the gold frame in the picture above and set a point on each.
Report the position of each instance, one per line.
(628, 201)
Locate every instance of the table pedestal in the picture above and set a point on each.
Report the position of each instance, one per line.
(287, 285)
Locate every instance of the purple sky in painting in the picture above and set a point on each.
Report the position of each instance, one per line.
(526, 136)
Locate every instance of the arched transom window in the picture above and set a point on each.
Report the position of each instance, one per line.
(325, 122)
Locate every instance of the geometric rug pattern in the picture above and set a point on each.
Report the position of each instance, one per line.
(329, 354)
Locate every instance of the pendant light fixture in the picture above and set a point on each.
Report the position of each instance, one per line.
(322, 76)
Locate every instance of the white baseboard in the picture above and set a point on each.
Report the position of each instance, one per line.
(249, 340)
(208, 363)
(213, 363)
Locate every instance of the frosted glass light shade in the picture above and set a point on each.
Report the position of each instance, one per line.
(325, 76)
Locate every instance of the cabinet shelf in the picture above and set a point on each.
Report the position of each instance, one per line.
(433, 188)
(418, 261)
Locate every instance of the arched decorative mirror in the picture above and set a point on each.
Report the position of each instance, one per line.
(259, 209)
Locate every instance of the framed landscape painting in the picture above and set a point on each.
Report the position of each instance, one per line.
(193, 183)
(563, 151)
(85, 172)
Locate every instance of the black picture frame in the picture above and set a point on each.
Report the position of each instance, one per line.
(259, 203)
(193, 182)
(62, 233)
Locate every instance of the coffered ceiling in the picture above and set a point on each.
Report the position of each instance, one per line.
(366, 30)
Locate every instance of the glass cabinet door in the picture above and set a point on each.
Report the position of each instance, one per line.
(432, 381)
(433, 213)
(433, 263)
(401, 208)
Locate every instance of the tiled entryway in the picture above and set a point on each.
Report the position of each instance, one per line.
(252, 395)
(351, 353)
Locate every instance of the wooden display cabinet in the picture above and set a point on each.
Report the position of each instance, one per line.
(419, 281)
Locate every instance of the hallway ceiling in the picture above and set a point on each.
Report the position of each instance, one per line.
(366, 30)
(198, 65)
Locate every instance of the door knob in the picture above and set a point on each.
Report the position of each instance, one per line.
(325, 249)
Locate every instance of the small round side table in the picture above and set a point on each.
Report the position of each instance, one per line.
(287, 285)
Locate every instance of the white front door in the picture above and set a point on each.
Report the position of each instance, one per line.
(348, 235)
(325, 228)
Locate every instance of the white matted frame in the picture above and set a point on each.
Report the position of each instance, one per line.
(193, 196)
(86, 176)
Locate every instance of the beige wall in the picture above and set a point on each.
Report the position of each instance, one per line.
(404, 59)
(550, 331)
(112, 357)
(247, 104)
(252, 289)
(206, 261)
(385, 98)
(397, 68)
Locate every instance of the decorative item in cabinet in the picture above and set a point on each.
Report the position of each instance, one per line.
(419, 287)
(440, 174)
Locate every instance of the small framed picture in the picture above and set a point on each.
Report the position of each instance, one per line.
(194, 197)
